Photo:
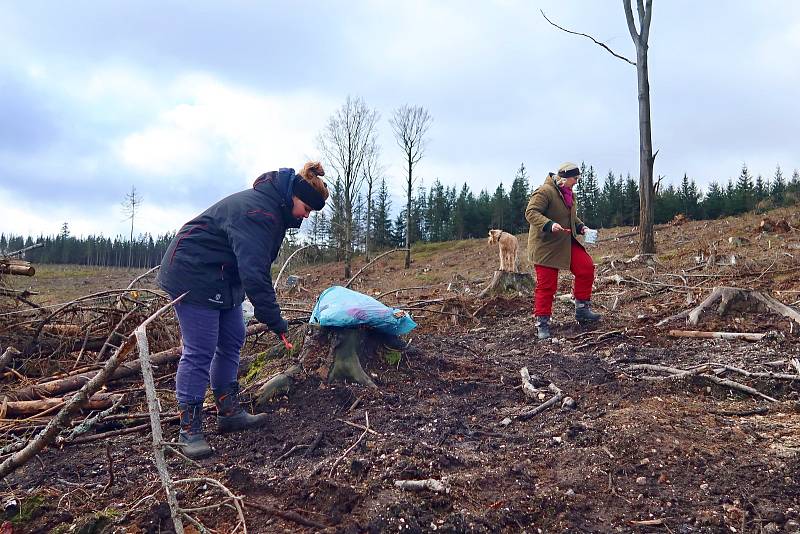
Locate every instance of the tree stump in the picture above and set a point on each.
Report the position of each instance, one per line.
(334, 355)
(508, 282)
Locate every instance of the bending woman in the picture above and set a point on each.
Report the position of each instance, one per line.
(218, 257)
(554, 222)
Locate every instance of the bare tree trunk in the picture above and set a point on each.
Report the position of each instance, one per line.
(348, 246)
(369, 220)
(409, 184)
(130, 250)
(647, 244)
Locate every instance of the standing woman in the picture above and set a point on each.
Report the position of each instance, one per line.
(218, 257)
(552, 245)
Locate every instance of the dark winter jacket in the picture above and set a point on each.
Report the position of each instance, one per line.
(227, 250)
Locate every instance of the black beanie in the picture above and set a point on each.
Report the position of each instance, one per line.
(306, 192)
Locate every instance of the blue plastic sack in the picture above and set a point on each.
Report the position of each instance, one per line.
(345, 308)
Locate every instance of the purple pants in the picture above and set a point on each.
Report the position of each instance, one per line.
(212, 342)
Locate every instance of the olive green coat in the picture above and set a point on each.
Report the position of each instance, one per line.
(545, 205)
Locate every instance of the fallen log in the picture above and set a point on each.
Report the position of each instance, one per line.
(16, 267)
(71, 383)
(65, 385)
(98, 401)
(63, 329)
(717, 335)
(16, 293)
(47, 435)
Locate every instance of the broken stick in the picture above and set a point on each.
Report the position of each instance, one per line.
(717, 335)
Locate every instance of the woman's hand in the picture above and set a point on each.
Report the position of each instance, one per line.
(558, 228)
(280, 328)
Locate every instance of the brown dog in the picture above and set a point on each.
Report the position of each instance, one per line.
(508, 249)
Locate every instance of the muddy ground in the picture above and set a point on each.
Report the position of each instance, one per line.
(677, 455)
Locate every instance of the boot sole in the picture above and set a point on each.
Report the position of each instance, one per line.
(200, 456)
(229, 430)
(196, 456)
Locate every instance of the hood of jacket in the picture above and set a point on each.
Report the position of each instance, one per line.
(279, 186)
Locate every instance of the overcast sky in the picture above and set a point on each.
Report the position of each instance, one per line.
(190, 101)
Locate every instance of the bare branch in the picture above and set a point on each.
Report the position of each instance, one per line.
(623, 58)
(645, 29)
(370, 263)
(278, 278)
(631, 24)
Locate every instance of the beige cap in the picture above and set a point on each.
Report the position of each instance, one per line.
(568, 170)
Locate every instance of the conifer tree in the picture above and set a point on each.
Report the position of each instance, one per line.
(630, 202)
(518, 200)
(778, 189)
(744, 199)
(382, 223)
(714, 201)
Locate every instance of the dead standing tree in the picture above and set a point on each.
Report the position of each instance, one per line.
(647, 244)
(130, 205)
(410, 124)
(346, 142)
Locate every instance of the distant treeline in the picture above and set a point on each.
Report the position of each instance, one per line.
(443, 213)
(144, 252)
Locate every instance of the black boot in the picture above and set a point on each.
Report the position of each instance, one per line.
(231, 417)
(191, 437)
(584, 313)
(543, 326)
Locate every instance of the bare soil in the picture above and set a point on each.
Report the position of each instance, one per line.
(678, 455)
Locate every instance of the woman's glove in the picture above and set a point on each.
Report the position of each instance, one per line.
(281, 327)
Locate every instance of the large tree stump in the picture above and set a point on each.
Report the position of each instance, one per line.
(508, 282)
(333, 355)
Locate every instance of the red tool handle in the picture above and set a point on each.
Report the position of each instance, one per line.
(286, 342)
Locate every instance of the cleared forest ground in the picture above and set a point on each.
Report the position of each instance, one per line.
(638, 451)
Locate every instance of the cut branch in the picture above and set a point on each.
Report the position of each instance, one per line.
(155, 423)
(370, 263)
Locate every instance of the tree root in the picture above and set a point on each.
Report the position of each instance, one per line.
(730, 298)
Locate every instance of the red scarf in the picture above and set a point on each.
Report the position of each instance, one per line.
(567, 192)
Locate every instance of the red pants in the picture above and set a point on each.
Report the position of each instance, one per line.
(582, 267)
